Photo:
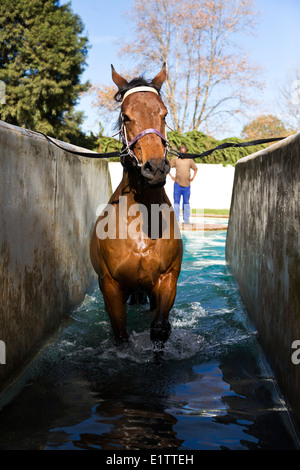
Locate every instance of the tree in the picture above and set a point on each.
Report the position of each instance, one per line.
(207, 74)
(289, 99)
(265, 126)
(42, 56)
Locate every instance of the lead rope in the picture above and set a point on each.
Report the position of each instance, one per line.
(169, 149)
(226, 145)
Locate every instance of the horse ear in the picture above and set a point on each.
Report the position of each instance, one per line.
(160, 77)
(118, 79)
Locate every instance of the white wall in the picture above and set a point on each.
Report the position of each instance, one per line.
(211, 188)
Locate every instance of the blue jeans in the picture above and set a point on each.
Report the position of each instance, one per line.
(185, 192)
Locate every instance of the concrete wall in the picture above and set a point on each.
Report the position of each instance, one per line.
(211, 189)
(49, 200)
(263, 251)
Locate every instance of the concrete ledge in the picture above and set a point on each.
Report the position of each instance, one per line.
(263, 251)
(49, 200)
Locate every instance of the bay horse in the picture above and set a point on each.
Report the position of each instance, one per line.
(129, 261)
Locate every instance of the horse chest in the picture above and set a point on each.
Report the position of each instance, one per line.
(141, 265)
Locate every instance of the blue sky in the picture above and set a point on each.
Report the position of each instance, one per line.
(275, 47)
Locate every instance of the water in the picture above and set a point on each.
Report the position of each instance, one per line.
(212, 389)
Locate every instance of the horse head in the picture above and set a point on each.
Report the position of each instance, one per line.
(142, 122)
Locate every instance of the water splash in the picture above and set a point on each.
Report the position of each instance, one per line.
(208, 390)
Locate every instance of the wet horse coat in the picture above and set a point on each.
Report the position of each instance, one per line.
(136, 245)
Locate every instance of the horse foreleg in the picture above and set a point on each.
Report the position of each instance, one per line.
(115, 302)
(164, 292)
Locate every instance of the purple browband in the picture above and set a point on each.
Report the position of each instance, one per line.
(141, 134)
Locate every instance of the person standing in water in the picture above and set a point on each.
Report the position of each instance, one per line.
(182, 183)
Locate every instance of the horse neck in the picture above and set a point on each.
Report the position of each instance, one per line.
(137, 193)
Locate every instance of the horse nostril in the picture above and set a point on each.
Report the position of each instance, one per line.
(155, 169)
(166, 167)
(147, 170)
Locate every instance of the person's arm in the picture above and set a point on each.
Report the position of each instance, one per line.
(195, 169)
(173, 165)
(173, 177)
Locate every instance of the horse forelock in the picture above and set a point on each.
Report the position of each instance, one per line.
(135, 82)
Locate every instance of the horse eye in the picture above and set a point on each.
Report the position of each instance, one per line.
(125, 118)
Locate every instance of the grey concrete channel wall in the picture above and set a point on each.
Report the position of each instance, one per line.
(263, 252)
(49, 200)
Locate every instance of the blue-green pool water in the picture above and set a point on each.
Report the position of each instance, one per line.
(211, 390)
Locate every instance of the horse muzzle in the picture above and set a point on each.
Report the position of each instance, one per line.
(155, 171)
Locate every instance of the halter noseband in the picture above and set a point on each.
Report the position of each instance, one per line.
(127, 152)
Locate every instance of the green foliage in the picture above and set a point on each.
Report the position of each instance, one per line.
(197, 142)
(216, 211)
(42, 56)
(108, 144)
